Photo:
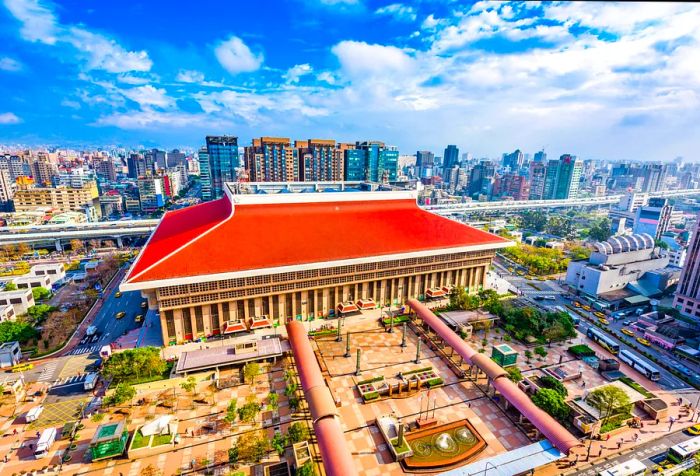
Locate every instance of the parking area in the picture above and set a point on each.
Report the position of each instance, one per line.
(59, 413)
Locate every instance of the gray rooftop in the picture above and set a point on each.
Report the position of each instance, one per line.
(226, 355)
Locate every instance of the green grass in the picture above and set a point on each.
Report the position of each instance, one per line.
(161, 440)
(397, 320)
(370, 396)
(371, 380)
(139, 441)
(631, 383)
(400, 449)
(422, 369)
(323, 332)
(434, 382)
(581, 350)
(614, 423)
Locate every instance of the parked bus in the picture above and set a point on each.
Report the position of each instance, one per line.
(633, 467)
(651, 372)
(45, 442)
(684, 451)
(603, 340)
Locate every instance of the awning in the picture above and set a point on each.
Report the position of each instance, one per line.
(345, 307)
(366, 304)
(435, 292)
(637, 299)
(517, 461)
(260, 323)
(234, 326)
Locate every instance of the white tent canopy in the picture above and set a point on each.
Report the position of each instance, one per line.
(159, 426)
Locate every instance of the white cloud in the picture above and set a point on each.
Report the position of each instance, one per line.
(430, 22)
(327, 77)
(9, 118)
(294, 73)
(150, 119)
(148, 95)
(70, 104)
(359, 58)
(398, 11)
(236, 57)
(38, 21)
(9, 64)
(133, 80)
(189, 76)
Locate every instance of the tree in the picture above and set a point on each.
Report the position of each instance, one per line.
(307, 469)
(601, 230)
(539, 350)
(533, 220)
(250, 371)
(18, 330)
(273, 401)
(23, 249)
(77, 245)
(10, 286)
(189, 385)
(528, 355)
(514, 374)
(551, 402)
(550, 382)
(122, 393)
(41, 293)
(150, 470)
(248, 412)
(297, 432)
(609, 400)
(279, 441)
(40, 311)
(231, 412)
(132, 364)
(252, 446)
(233, 454)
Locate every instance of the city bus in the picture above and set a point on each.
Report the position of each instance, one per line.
(684, 451)
(651, 372)
(633, 467)
(603, 340)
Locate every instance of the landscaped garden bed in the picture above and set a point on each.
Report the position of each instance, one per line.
(580, 351)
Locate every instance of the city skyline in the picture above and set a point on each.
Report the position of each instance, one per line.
(610, 81)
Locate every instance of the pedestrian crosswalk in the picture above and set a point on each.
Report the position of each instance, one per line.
(73, 379)
(84, 350)
(48, 371)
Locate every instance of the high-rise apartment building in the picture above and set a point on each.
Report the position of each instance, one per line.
(562, 178)
(425, 161)
(511, 186)
(7, 190)
(687, 299)
(451, 157)
(513, 161)
(481, 178)
(139, 166)
(540, 156)
(151, 193)
(538, 170)
(654, 177)
(17, 166)
(218, 162)
(272, 159)
(319, 160)
(43, 170)
(105, 169)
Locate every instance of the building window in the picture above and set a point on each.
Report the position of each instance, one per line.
(187, 320)
(199, 319)
(214, 314)
(170, 324)
(225, 310)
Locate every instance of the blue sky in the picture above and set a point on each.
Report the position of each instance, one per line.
(600, 80)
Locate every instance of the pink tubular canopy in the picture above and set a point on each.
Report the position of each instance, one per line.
(337, 460)
(550, 428)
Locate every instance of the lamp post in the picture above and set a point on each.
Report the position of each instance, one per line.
(339, 338)
(403, 336)
(391, 321)
(357, 368)
(347, 344)
(417, 361)
(594, 429)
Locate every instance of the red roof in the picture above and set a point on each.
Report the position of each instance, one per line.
(207, 239)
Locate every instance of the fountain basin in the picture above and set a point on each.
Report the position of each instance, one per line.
(443, 446)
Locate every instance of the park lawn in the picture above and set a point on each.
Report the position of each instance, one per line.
(397, 320)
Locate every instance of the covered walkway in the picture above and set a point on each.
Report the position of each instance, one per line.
(337, 460)
(498, 378)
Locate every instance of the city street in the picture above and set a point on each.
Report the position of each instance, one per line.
(643, 453)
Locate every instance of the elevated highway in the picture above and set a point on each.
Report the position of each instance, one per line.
(468, 207)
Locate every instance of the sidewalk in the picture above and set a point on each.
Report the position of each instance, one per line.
(623, 440)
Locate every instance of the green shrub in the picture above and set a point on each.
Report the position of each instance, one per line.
(370, 396)
(433, 382)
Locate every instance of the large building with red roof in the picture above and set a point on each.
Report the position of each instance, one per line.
(248, 261)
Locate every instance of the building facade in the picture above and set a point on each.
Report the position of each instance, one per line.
(300, 256)
(687, 298)
(62, 199)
